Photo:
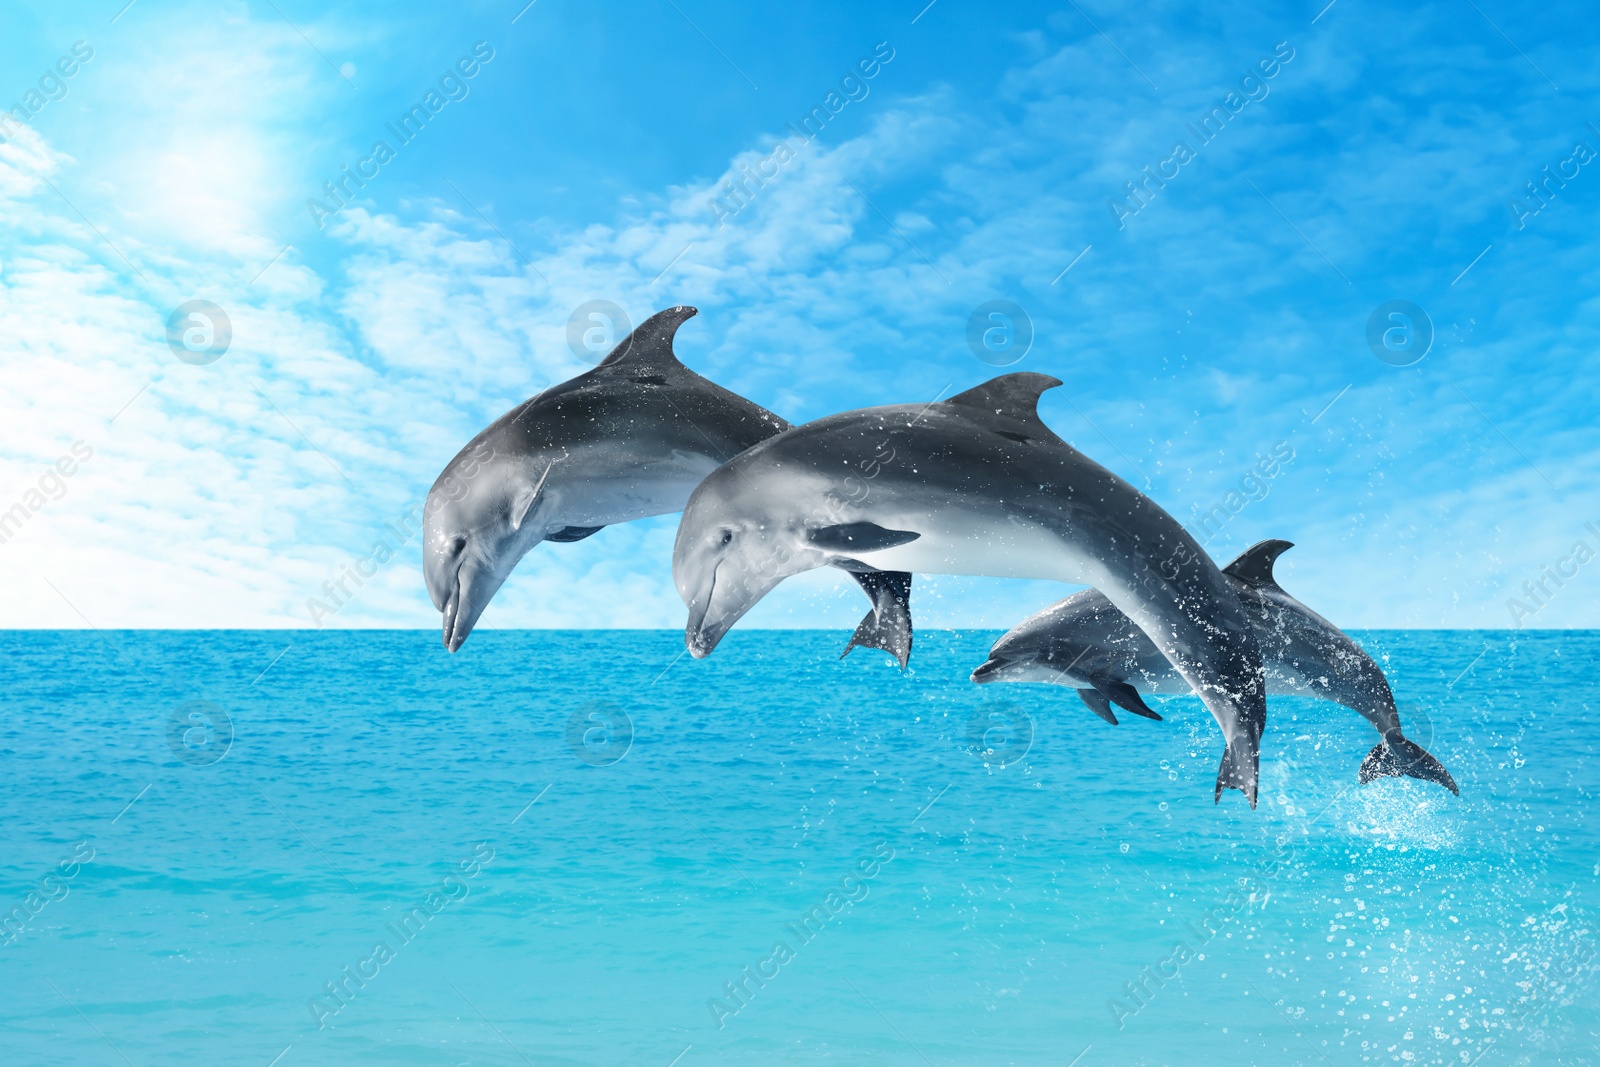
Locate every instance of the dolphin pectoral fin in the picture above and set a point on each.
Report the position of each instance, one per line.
(523, 504)
(574, 533)
(1239, 770)
(1126, 696)
(528, 496)
(858, 537)
(1405, 758)
(887, 627)
(1098, 704)
(1254, 565)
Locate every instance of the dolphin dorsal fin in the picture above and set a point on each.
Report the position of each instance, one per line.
(650, 344)
(1254, 565)
(1014, 395)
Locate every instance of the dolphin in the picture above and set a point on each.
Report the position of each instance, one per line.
(626, 440)
(1085, 642)
(976, 484)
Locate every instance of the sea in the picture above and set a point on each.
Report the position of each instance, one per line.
(280, 849)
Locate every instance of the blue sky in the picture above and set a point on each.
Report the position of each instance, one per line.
(1226, 317)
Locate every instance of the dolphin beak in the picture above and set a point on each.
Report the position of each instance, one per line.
(989, 670)
(712, 615)
(701, 638)
(474, 588)
(451, 641)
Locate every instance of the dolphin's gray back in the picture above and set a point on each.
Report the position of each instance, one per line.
(656, 404)
(991, 464)
(641, 422)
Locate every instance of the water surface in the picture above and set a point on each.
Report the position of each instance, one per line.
(794, 860)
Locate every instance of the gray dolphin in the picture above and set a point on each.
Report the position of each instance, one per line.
(626, 440)
(977, 484)
(1085, 642)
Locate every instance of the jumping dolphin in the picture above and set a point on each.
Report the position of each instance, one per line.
(977, 484)
(626, 440)
(1084, 641)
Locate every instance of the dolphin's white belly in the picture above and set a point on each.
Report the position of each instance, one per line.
(964, 543)
(1156, 676)
(598, 490)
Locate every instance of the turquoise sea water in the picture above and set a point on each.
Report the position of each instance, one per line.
(955, 874)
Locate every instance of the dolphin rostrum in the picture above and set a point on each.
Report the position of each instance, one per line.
(626, 440)
(976, 484)
(1085, 642)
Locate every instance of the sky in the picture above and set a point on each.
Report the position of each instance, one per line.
(1299, 169)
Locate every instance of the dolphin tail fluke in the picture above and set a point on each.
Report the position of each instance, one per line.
(1240, 763)
(1099, 704)
(887, 627)
(1404, 758)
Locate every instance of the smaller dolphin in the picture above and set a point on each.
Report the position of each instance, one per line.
(1084, 641)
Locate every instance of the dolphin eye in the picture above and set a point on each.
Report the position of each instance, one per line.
(455, 546)
(727, 536)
